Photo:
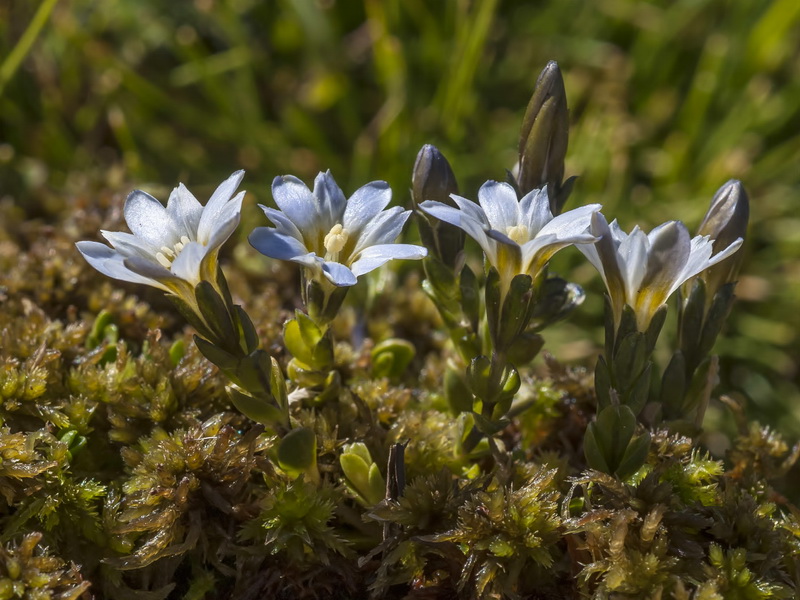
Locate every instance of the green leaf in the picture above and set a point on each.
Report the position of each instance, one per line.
(602, 383)
(297, 451)
(516, 311)
(717, 315)
(246, 328)
(690, 319)
(492, 294)
(525, 348)
(223, 359)
(595, 455)
(654, 329)
(260, 410)
(470, 297)
(629, 360)
(489, 426)
(456, 391)
(216, 315)
(391, 357)
(306, 342)
(479, 374)
(634, 457)
(673, 387)
(639, 392)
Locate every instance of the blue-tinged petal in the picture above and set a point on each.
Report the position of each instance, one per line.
(276, 244)
(187, 264)
(309, 260)
(216, 204)
(110, 263)
(383, 229)
(128, 244)
(535, 209)
(376, 256)
(471, 209)
(281, 222)
(330, 198)
(149, 268)
(365, 204)
(338, 274)
(148, 219)
(571, 224)
(296, 201)
(499, 202)
(460, 218)
(226, 223)
(184, 210)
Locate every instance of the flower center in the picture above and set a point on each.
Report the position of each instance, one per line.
(167, 255)
(518, 233)
(335, 241)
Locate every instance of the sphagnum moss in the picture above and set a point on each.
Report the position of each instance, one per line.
(127, 471)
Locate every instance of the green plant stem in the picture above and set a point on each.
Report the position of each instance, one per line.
(25, 43)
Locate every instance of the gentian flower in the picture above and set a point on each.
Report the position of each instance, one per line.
(643, 270)
(517, 237)
(331, 236)
(172, 248)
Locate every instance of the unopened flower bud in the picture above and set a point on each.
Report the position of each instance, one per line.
(544, 137)
(433, 179)
(725, 222)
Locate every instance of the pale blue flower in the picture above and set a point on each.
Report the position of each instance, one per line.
(172, 248)
(517, 236)
(339, 238)
(644, 270)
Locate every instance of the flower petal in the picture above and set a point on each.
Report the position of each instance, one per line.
(281, 222)
(149, 220)
(128, 244)
(215, 206)
(460, 218)
(276, 244)
(185, 211)
(376, 256)
(187, 264)
(499, 202)
(383, 229)
(226, 222)
(296, 201)
(365, 203)
(338, 274)
(535, 209)
(330, 199)
(670, 247)
(110, 263)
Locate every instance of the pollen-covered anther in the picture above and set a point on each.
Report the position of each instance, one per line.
(518, 233)
(167, 254)
(335, 240)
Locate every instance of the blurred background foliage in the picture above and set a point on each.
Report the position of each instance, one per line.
(669, 99)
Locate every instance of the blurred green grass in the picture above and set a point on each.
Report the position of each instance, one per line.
(669, 99)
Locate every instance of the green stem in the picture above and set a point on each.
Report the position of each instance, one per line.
(25, 43)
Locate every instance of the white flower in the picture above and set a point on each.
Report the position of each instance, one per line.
(643, 271)
(172, 248)
(321, 230)
(516, 236)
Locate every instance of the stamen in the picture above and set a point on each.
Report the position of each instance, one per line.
(163, 260)
(335, 241)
